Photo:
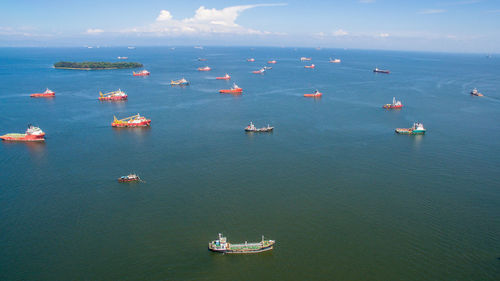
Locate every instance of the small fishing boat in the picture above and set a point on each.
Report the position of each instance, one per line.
(475, 92)
(305, 59)
(225, 77)
(272, 62)
(334, 60)
(132, 121)
(206, 68)
(113, 96)
(129, 178)
(32, 134)
(141, 73)
(416, 129)
(252, 128)
(316, 94)
(180, 82)
(234, 90)
(394, 105)
(260, 71)
(122, 58)
(251, 59)
(221, 245)
(309, 66)
(47, 94)
(376, 70)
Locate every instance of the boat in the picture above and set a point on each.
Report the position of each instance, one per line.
(272, 62)
(251, 59)
(416, 129)
(376, 70)
(143, 72)
(47, 94)
(206, 68)
(305, 59)
(394, 105)
(221, 245)
(132, 121)
(113, 96)
(129, 178)
(131, 47)
(180, 82)
(122, 58)
(334, 60)
(198, 47)
(225, 77)
(32, 134)
(201, 59)
(234, 90)
(268, 67)
(316, 94)
(260, 71)
(474, 92)
(252, 128)
(309, 66)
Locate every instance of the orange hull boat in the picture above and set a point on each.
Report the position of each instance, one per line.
(206, 68)
(47, 94)
(225, 77)
(272, 62)
(316, 94)
(309, 66)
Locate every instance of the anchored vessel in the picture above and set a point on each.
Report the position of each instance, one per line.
(252, 128)
(225, 77)
(260, 71)
(180, 82)
(272, 62)
(234, 90)
(222, 246)
(32, 134)
(206, 68)
(309, 66)
(305, 59)
(376, 70)
(129, 178)
(251, 59)
(201, 59)
(113, 96)
(416, 129)
(394, 105)
(47, 94)
(474, 92)
(122, 58)
(141, 73)
(316, 94)
(132, 121)
(335, 60)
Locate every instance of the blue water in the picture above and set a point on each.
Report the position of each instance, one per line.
(343, 195)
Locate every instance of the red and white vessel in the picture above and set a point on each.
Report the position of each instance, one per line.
(234, 90)
(272, 62)
(141, 73)
(251, 59)
(206, 68)
(316, 94)
(305, 59)
(309, 66)
(132, 121)
(32, 134)
(394, 105)
(334, 60)
(47, 94)
(113, 96)
(260, 71)
(225, 77)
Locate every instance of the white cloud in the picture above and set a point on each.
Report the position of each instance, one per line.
(164, 15)
(431, 11)
(384, 35)
(340, 32)
(94, 31)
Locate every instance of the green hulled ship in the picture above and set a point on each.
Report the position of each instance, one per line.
(222, 246)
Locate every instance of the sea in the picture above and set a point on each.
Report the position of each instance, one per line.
(343, 195)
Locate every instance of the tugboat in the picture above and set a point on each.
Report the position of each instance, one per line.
(376, 70)
(180, 82)
(32, 134)
(132, 121)
(234, 90)
(272, 61)
(334, 61)
(141, 73)
(252, 128)
(129, 178)
(316, 94)
(416, 129)
(260, 71)
(222, 246)
(251, 60)
(305, 59)
(474, 92)
(394, 105)
(47, 94)
(225, 77)
(309, 66)
(206, 68)
(113, 96)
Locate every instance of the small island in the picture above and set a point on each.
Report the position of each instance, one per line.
(92, 65)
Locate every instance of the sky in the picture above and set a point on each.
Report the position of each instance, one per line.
(470, 26)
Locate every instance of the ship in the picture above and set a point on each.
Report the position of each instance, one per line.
(268, 67)
(225, 77)
(201, 59)
(260, 71)
(122, 58)
(129, 178)
(141, 73)
(47, 94)
(309, 66)
(272, 62)
(305, 59)
(180, 82)
(222, 246)
(113, 96)
(132, 121)
(334, 60)
(32, 134)
(252, 128)
(416, 129)
(131, 47)
(394, 105)
(316, 94)
(376, 70)
(234, 90)
(475, 92)
(206, 68)
(251, 59)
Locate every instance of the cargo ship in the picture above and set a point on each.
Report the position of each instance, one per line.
(222, 246)
(474, 92)
(32, 134)
(305, 59)
(141, 73)
(225, 77)
(180, 82)
(206, 68)
(376, 70)
(272, 62)
(234, 90)
(416, 129)
(113, 96)
(334, 61)
(251, 60)
(47, 94)
(252, 128)
(129, 178)
(309, 66)
(132, 121)
(394, 105)
(316, 94)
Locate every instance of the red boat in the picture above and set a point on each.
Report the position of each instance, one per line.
(272, 61)
(234, 90)
(309, 66)
(113, 96)
(394, 105)
(132, 121)
(260, 71)
(141, 73)
(129, 178)
(225, 77)
(316, 94)
(206, 68)
(251, 60)
(47, 94)
(376, 70)
(32, 134)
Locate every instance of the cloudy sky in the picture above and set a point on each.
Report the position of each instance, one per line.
(447, 25)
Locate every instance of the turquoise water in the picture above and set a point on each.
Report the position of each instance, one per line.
(343, 195)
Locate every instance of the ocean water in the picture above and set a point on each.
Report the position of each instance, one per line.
(343, 195)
